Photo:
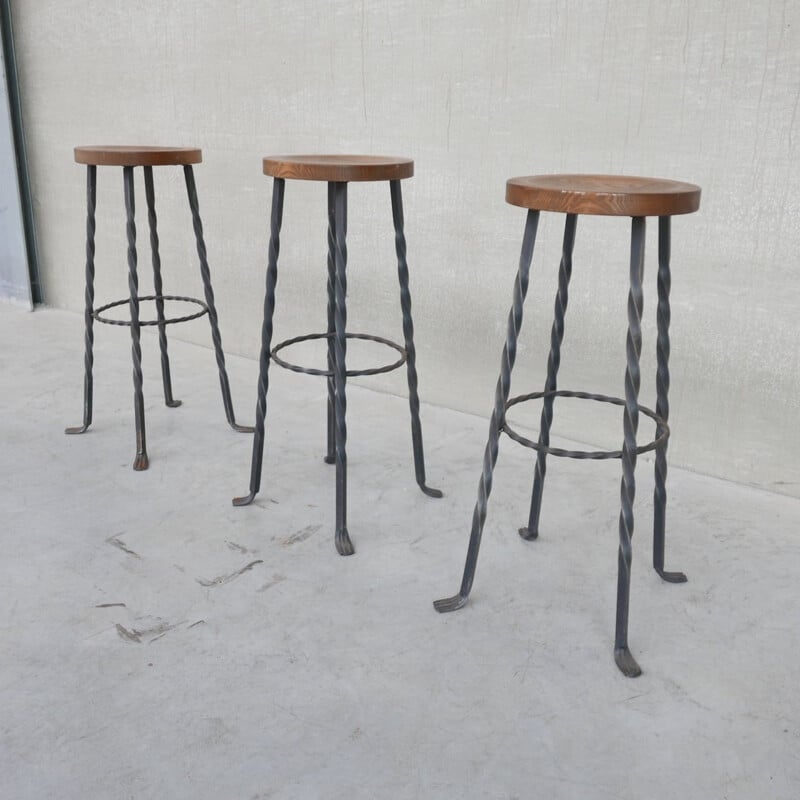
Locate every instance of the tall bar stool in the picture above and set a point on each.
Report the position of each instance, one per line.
(337, 171)
(146, 157)
(606, 195)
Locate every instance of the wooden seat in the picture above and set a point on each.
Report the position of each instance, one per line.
(606, 195)
(338, 169)
(137, 156)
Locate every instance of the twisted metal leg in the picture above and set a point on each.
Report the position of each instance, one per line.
(158, 287)
(141, 461)
(622, 655)
(344, 545)
(553, 361)
(88, 318)
(662, 402)
(408, 332)
(205, 273)
(330, 456)
(498, 417)
(278, 187)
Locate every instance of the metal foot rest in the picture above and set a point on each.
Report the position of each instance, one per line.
(204, 310)
(351, 373)
(662, 429)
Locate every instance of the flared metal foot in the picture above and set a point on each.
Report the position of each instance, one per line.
(528, 535)
(344, 547)
(450, 603)
(497, 419)
(141, 462)
(242, 428)
(88, 381)
(244, 500)
(627, 663)
(672, 577)
(329, 459)
(173, 403)
(430, 492)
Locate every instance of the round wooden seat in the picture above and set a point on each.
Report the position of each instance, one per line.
(607, 195)
(137, 155)
(338, 169)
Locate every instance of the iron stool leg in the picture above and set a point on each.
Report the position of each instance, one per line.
(408, 333)
(158, 287)
(344, 545)
(205, 274)
(622, 654)
(662, 402)
(330, 456)
(553, 361)
(278, 187)
(498, 417)
(141, 461)
(88, 314)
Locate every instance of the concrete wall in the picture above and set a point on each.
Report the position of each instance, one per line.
(476, 92)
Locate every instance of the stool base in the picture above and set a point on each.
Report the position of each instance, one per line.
(141, 461)
(337, 336)
(630, 449)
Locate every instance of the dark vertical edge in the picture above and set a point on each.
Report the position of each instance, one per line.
(20, 152)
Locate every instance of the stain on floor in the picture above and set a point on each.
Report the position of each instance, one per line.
(300, 536)
(232, 576)
(115, 541)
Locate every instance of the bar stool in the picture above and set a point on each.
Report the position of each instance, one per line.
(606, 195)
(146, 157)
(337, 171)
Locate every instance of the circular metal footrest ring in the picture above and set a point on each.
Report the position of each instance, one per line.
(171, 321)
(351, 373)
(662, 428)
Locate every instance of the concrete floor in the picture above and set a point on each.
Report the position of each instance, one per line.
(159, 643)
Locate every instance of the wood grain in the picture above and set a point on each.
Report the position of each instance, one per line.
(338, 168)
(607, 195)
(136, 156)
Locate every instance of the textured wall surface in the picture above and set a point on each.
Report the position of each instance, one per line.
(14, 282)
(476, 92)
